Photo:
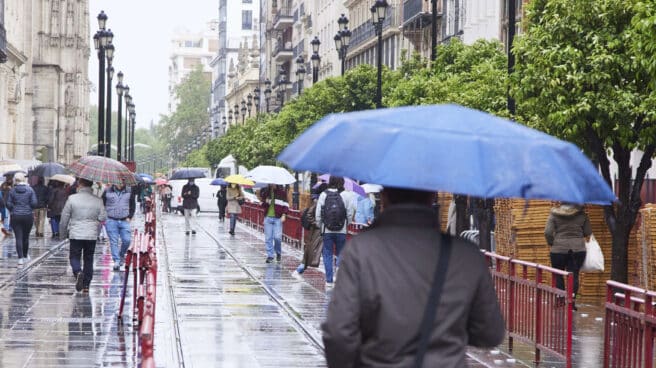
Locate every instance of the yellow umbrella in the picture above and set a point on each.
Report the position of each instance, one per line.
(238, 179)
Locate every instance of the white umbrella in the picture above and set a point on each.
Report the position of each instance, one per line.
(67, 179)
(271, 175)
(371, 188)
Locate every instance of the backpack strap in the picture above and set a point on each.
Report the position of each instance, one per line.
(433, 300)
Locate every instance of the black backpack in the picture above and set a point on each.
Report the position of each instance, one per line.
(333, 212)
(305, 219)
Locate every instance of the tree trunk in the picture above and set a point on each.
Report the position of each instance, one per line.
(484, 216)
(462, 222)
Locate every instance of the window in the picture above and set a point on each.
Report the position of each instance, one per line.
(246, 19)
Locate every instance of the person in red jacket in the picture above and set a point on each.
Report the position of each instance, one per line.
(274, 201)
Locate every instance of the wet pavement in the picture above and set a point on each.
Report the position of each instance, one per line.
(44, 322)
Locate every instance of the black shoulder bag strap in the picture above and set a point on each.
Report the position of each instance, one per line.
(433, 300)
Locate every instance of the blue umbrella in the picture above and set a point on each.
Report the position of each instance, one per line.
(187, 174)
(146, 177)
(219, 181)
(449, 148)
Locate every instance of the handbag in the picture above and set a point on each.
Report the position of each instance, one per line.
(241, 201)
(594, 257)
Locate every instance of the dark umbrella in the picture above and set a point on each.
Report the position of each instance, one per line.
(48, 169)
(13, 172)
(187, 174)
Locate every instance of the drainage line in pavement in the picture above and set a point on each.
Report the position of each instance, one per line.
(283, 304)
(174, 310)
(37, 261)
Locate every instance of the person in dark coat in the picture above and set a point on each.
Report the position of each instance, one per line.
(312, 241)
(566, 230)
(190, 194)
(222, 202)
(42, 194)
(56, 202)
(386, 273)
(21, 202)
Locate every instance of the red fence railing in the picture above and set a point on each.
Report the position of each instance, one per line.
(630, 326)
(535, 311)
(292, 231)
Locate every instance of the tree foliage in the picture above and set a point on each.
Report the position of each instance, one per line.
(578, 78)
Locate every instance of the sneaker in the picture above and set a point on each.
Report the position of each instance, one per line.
(278, 257)
(117, 266)
(186, 232)
(329, 285)
(269, 260)
(232, 233)
(193, 232)
(79, 282)
(20, 262)
(28, 258)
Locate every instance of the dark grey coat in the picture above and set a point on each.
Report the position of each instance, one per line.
(566, 229)
(385, 276)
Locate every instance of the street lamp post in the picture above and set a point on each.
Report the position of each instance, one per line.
(100, 41)
(230, 116)
(109, 53)
(316, 59)
(128, 100)
(282, 86)
(267, 93)
(236, 111)
(256, 99)
(119, 133)
(300, 73)
(133, 120)
(243, 111)
(249, 104)
(378, 11)
(342, 40)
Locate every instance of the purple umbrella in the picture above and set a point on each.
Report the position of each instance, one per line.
(349, 184)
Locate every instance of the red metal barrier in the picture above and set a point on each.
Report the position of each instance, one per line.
(629, 327)
(292, 231)
(535, 311)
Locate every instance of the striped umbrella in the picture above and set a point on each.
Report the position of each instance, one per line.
(102, 169)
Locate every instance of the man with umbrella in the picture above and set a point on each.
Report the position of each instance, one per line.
(120, 204)
(42, 194)
(190, 194)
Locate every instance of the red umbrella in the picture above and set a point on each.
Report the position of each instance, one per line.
(102, 169)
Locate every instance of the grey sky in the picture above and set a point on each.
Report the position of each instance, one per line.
(142, 33)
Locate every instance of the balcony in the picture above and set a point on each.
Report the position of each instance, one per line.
(366, 31)
(3, 44)
(417, 12)
(283, 19)
(283, 52)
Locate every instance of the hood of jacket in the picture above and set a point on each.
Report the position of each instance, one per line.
(21, 188)
(566, 210)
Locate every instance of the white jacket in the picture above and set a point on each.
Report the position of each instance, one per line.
(81, 215)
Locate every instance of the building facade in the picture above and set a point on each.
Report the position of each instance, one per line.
(239, 29)
(190, 50)
(44, 88)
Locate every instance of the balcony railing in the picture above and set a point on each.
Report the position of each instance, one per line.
(283, 17)
(412, 9)
(282, 47)
(366, 31)
(3, 44)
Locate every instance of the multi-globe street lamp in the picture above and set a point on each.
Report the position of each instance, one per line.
(100, 41)
(316, 59)
(300, 73)
(120, 89)
(243, 111)
(128, 101)
(256, 99)
(267, 93)
(249, 104)
(342, 40)
(235, 109)
(109, 52)
(378, 12)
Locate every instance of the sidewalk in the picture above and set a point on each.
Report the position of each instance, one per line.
(233, 307)
(44, 322)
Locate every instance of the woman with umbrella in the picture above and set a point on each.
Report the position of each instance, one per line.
(56, 202)
(235, 198)
(222, 201)
(21, 202)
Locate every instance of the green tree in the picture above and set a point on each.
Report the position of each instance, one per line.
(197, 158)
(578, 78)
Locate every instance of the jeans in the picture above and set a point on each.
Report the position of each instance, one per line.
(272, 235)
(54, 224)
(338, 239)
(22, 225)
(189, 218)
(82, 249)
(116, 229)
(571, 262)
(233, 221)
(39, 219)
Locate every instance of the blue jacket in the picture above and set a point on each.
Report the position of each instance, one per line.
(21, 200)
(364, 214)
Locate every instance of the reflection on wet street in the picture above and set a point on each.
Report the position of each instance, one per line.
(44, 322)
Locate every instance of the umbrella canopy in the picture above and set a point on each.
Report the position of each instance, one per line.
(371, 188)
(187, 174)
(349, 184)
(219, 181)
(102, 169)
(161, 181)
(238, 179)
(49, 169)
(12, 172)
(146, 176)
(67, 179)
(271, 175)
(449, 148)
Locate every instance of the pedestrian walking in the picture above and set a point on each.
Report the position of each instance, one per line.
(222, 201)
(21, 202)
(42, 194)
(566, 231)
(3, 208)
(335, 210)
(56, 202)
(144, 195)
(364, 213)
(165, 197)
(379, 314)
(190, 194)
(235, 198)
(5, 187)
(120, 204)
(275, 206)
(312, 241)
(80, 218)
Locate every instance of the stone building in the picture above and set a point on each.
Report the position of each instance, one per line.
(44, 89)
(243, 78)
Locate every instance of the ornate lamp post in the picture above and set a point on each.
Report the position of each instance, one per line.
(109, 53)
(378, 12)
(230, 116)
(267, 93)
(300, 73)
(342, 40)
(100, 40)
(316, 59)
(249, 104)
(133, 120)
(256, 99)
(243, 111)
(119, 92)
(235, 109)
(282, 86)
(224, 124)
(128, 101)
